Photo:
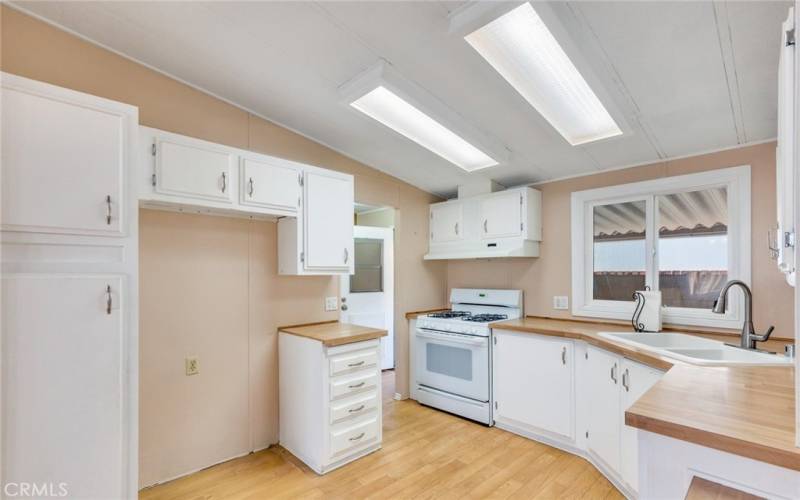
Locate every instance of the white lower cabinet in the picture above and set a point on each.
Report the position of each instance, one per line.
(573, 396)
(603, 424)
(330, 400)
(636, 379)
(534, 382)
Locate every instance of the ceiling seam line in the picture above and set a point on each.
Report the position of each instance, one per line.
(736, 76)
(720, 43)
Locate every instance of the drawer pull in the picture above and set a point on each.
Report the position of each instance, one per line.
(356, 438)
(355, 410)
(356, 386)
(352, 365)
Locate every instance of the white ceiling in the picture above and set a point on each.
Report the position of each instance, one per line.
(687, 76)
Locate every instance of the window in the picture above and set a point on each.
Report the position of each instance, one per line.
(685, 236)
(368, 264)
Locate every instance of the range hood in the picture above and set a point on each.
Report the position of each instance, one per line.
(502, 224)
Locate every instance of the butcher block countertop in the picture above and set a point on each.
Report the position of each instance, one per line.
(333, 333)
(747, 411)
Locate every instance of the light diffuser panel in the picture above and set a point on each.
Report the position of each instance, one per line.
(523, 50)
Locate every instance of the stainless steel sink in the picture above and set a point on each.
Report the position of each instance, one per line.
(696, 350)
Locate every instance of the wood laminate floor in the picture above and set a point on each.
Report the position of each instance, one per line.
(426, 454)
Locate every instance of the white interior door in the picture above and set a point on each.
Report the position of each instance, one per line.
(367, 296)
(63, 383)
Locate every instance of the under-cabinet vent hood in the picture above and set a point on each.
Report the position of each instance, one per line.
(494, 225)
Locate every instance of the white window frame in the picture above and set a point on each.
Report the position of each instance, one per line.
(736, 180)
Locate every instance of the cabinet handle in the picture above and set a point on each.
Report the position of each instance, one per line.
(346, 256)
(356, 438)
(355, 410)
(356, 386)
(456, 228)
(485, 226)
(108, 299)
(626, 378)
(563, 355)
(108, 209)
(224, 182)
(351, 365)
(614, 373)
(250, 182)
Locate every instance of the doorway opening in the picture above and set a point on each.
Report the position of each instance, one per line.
(367, 295)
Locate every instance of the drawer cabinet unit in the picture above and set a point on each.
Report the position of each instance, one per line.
(330, 400)
(533, 383)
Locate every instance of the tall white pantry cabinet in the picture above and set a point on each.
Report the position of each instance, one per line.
(68, 229)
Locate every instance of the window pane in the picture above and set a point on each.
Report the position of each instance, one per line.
(692, 247)
(368, 264)
(619, 250)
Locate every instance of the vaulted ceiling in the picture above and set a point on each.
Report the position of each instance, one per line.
(688, 77)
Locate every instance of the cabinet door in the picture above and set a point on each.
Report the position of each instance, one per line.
(64, 158)
(328, 218)
(533, 381)
(64, 412)
(501, 215)
(603, 373)
(447, 222)
(194, 169)
(635, 379)
(270, 184)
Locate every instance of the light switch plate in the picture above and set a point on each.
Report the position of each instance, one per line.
(560, 302)
(331, 303)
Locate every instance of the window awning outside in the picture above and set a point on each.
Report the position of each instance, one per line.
(680, 214)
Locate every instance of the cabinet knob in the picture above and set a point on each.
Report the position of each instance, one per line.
(108, 299)
(614, 373)
(563, 355)
(626, 380)
(250, 183)
(485, 226)
(346, 256)
(108, 209)
(224, 182)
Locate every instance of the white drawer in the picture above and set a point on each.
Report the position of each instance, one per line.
(353, 384)
(344, 438)
(351, 361)
(354, 407)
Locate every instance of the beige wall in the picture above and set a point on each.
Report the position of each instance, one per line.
(378, 218)
(550, 274)
(208, 284)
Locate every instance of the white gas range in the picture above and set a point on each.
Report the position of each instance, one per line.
(452, 351)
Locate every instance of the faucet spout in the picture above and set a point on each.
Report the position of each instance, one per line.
(749, 336)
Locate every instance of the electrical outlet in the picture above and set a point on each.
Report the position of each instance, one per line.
(560, 302)
(192, 366)
(331, 303)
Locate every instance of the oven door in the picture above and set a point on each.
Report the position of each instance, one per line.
(453, 363)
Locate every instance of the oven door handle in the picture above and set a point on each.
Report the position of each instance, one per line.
(455, 339)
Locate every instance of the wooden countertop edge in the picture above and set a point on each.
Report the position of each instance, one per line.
(414, 314)
(711, 439)
(376, 334)
(625, 351)
(301, 325)
(369, 334)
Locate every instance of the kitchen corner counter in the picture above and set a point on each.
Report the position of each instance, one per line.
(744, 410)
(747, 410)
(333, 333)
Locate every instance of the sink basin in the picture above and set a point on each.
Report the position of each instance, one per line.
(696, 350)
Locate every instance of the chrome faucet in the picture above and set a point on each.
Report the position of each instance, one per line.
(749, 337)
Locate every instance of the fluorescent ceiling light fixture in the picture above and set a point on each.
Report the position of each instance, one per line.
(521, 48)
(391, 110)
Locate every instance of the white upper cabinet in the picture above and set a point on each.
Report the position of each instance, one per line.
(447, 222)
(65, 177)
(269, 183)
(194, 169)
(501, 215)
(602, 382)
(501, 224)
(533, 382)
(328, 220)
